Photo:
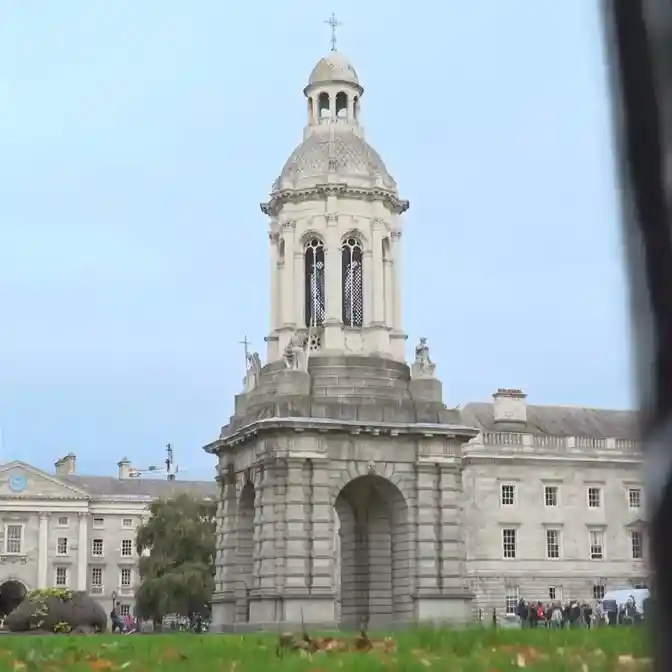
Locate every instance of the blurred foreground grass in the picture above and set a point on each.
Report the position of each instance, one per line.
(606, 649)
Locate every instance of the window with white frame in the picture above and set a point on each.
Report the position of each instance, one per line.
(14, 539)
(98, 521)
(596, 545)
(127, 548)
(97, 547)
(551, 495)
(508, 494)
(126, 577)
(511, 599)
(127, 522)
(636, 545)
(62, 521)
(96, 579)
(599, 591)
(555, 593)
(594, 497)
(634, 498)
(509, 545)
(125, 610)
(62, 546)
(552, 544)
(61, 576)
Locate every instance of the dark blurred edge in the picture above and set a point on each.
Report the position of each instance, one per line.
(639, 38)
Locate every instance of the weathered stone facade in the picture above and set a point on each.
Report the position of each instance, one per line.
(340, 461)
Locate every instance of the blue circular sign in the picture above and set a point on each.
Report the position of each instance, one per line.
(17, 483)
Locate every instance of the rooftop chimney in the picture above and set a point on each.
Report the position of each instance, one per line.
(125, 468)
(509, 406)
(66, 466)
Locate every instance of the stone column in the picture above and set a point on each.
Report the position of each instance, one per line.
(333, 335)
(367, 280)
(378, 274)
(451, 556)
(427, 538)
(287, 282)
(389, 300)
(395, 248)
(224, 596)
(276, 294)
(299, 286)
(43, 552)
(441, 594)
(321, 528)
(295, 516)
(83, 552)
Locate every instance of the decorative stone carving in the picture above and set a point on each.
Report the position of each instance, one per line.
(423, 366)
(13, 559)
(253, 371)
(371, 468)
(295, 353)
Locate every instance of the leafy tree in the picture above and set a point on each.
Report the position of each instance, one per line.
(177, 549)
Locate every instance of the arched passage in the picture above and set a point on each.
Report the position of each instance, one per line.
(12, 593)
(375, 548)
(245, 552)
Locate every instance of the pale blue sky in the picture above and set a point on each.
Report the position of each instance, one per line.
(137, 139)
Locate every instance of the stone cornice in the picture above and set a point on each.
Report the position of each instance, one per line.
(613, 461)
(354, 427)
(320, 191)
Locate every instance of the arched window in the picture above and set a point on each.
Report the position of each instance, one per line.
(341, 105)
(314, 260)
(324, 106)
(353, 290)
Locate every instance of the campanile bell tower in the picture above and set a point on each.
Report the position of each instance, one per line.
(335, 229)
(340, 469)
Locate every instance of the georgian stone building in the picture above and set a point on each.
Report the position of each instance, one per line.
(75, 531)
(349, 493)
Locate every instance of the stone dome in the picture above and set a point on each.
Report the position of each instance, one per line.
(333, 68)
(341, 154)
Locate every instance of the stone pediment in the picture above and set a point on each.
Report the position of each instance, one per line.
(18, 479)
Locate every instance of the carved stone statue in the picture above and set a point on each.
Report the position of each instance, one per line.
(295, 353)
(253, 371)
(423, 366)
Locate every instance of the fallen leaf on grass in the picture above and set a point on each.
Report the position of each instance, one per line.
(101, 664)
(19, 666)
(172, 655)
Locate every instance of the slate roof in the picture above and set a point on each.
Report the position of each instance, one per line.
(557, 421)
(111, 486)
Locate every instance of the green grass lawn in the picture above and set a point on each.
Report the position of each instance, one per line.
(606, 649)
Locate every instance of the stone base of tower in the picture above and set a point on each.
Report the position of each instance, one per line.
(341, 494)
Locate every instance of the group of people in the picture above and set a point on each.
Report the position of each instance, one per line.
(120, 623)
(577, 614)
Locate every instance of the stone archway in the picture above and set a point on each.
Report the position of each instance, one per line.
(245, 552)
(12, 593)
(375, 552)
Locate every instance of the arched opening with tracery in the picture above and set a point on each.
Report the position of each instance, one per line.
(315, 282)
(352, 280)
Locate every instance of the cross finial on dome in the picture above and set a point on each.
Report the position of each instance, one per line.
(333, 23)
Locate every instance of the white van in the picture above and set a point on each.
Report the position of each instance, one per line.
(620, 596)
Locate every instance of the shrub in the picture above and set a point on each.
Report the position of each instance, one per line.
(57, 610)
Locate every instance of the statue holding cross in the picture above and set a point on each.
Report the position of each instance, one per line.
(252, 367)
(333, 23)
